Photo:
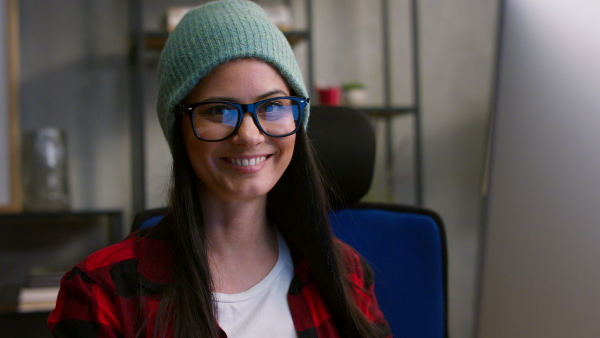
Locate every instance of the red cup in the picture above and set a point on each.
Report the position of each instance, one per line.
(330, 96)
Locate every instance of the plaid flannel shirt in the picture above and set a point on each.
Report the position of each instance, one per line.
(115, 292)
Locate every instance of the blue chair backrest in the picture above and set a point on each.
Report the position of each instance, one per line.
(150, 222)
(407, 253)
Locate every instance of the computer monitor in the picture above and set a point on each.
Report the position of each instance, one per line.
(540, 273)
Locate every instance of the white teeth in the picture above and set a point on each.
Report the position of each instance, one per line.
(247, 162)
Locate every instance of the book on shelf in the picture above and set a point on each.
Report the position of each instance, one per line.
(37, 298)
(40, 290)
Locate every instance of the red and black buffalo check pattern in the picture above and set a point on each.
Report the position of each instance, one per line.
(116, 292)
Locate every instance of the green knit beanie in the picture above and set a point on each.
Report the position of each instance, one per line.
(211, 35)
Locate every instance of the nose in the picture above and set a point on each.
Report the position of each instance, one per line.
(248, 134)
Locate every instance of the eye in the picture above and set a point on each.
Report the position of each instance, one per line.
(215, 111)
(270, 107)
(277, 111)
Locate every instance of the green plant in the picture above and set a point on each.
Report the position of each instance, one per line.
(352, 85)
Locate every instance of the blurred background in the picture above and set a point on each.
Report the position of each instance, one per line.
(88, 68)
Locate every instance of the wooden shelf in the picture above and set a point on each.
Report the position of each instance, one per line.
(156, 40)
(49, 239)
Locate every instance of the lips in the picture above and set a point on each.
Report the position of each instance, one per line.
(246, 162)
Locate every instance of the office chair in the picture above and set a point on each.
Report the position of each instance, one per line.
(405, 245)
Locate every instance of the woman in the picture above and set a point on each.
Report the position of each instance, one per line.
(246, 250)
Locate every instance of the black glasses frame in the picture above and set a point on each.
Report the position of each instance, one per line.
(188, 109)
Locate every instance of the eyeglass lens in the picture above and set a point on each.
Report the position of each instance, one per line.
(215, 121)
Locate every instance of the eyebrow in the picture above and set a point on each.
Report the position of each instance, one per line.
(259, 98)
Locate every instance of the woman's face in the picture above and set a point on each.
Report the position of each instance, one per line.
(248, 164)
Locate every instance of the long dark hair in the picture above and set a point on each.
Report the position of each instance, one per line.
(297, 205)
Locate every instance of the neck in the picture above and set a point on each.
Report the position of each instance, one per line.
(242, 246)
(234, 222)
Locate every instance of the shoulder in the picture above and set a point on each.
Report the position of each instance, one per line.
(112, 254)
(139, 253)
(102, 293)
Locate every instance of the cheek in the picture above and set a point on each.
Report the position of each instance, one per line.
(286, 146)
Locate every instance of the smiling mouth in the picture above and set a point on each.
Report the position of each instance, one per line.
(245, 162)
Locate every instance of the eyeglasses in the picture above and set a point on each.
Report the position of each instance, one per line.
(218, 120)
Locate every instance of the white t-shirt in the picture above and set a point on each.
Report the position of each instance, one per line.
(263, 310)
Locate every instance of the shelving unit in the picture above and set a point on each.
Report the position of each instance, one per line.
(55, 240)
(415, 109)
(144, 42)
(388, 112)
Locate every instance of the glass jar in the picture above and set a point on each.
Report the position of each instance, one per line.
(46, 180)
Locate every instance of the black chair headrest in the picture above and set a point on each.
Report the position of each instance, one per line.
(345, 142)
